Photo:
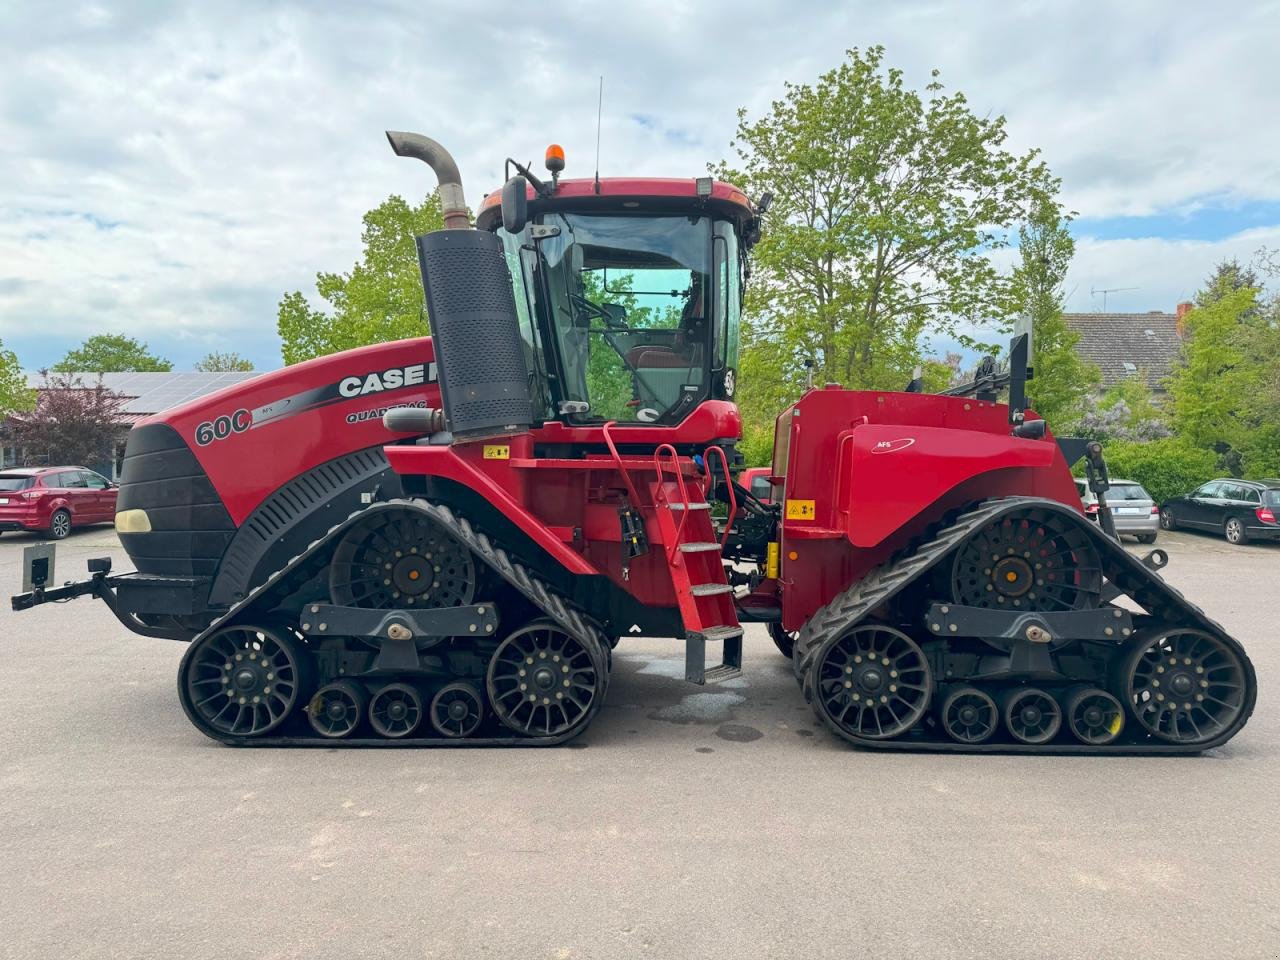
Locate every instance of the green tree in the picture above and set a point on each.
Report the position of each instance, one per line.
(1063, 380)
(216, 362)
(1213, 387)
(111, 353)
(1228, 277)
(886, 206)
(378, 300)
(14, 394)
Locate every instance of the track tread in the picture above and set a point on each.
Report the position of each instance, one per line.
(1127, 572)
(537, 591)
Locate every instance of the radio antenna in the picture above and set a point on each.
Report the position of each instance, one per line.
(599, 111)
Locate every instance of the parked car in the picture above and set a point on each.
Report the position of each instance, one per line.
(1132, 508)
(1241, 510)
(756, 479)
(54, 499)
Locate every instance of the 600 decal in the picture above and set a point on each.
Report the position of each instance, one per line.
(222, 427)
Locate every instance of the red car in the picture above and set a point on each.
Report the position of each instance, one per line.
(54, 499)
(756, 479)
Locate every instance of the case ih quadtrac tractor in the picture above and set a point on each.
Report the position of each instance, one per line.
(439, 541)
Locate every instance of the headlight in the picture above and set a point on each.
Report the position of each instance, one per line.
(133, 521)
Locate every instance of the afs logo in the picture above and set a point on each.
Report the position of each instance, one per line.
(893, 446)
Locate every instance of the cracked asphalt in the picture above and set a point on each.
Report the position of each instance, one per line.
(685, 823)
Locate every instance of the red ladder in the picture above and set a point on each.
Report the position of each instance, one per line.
(697, 572)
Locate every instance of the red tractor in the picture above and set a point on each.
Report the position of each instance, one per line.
(439, 541)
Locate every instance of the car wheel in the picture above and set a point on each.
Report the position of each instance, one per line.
(1146, 538)
(1235, 531)
(60, 524)
(1167, 522)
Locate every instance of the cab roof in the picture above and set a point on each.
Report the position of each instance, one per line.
(616, 193)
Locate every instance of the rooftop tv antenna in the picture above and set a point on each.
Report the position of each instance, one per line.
(599, 111)
(1104, 291)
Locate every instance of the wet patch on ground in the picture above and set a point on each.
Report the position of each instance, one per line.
(738, 733)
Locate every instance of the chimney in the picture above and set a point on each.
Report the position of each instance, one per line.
(1183, 309)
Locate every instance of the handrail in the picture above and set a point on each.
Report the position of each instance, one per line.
(673, 548)
(728, 482)
(617, 461)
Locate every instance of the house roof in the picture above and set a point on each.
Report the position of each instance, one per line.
(148, 393)
(1125, 344)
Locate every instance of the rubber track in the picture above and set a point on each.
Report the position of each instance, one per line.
(1126, 571)
(537, 591)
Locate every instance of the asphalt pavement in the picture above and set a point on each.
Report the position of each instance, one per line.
(686, 822)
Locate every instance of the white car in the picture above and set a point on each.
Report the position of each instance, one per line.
(1132, 508)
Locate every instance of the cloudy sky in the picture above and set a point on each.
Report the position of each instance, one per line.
(168, 170)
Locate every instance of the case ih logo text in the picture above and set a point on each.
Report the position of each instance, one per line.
(892, 446)
(392, 379)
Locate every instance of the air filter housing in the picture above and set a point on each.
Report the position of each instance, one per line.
(480, 360)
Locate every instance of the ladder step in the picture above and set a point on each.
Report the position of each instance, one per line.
(721, 673)
(710, 589)
(721, 633)
(698, 547)
(692, 506)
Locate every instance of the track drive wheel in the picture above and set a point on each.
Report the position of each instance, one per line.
(395, 710)
(456, 710)
(242, 680)
(337, 709)
(1187, 686)
(543, 681)
(401, 559)
(969, 716)
(784, 640)
(872, 683)
(1031, 715)
(1031, 560)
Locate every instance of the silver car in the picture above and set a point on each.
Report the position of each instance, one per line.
(1132, 508)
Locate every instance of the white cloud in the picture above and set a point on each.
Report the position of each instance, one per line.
(170, 169)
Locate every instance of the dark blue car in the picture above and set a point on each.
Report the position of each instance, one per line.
(1240, 510)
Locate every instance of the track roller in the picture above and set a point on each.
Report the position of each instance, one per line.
(1031, 715)
(969, 716)
(456, 710)
(542, 680)
(242, 680)
(395, 710)
(337, 709)
(1094, 716)
(1186, 686)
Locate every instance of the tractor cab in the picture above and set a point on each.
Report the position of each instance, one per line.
(629, 292)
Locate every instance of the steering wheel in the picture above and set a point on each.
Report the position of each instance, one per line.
(597, 311)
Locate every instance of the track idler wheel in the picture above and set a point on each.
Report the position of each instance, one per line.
(784, 640)
(400, 559)
(456, 710)
(1031, 716)
(242, 681)
(395, 711)
(1187, 686)
(544, 681)
(969, 716)
(1094, 716)
(873, 683)
(337, 709)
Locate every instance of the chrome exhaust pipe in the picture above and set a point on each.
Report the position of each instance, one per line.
(452, 203)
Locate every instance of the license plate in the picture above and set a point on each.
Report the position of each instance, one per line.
(4, 499)
(1130, 511)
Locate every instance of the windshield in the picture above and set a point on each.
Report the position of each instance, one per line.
(1127, 491)
(12, 484)
(630, 309)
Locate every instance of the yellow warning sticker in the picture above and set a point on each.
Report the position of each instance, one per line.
(494, 451)
(801, 510)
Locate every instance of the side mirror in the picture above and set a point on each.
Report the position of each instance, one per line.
(515, 204)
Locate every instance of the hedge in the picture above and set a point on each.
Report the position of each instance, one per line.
(1166, 468)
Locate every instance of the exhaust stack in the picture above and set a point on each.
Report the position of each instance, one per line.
(471, 307)
(452, 202)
